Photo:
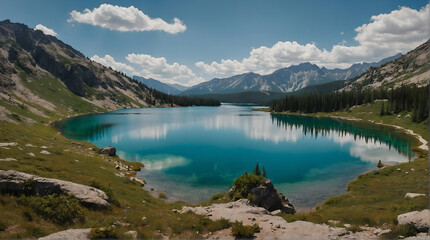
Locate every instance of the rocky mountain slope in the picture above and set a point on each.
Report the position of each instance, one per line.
(411, 68)
(288, 79)
(42, 77)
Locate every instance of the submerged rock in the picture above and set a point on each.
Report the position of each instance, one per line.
(17, 182)
(110, 151)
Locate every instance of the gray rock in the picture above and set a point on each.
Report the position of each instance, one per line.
(267, 197)
(13, 182)
(110, 151)
(131, 234)
(69, 234)
(414, 195)
(420, 220)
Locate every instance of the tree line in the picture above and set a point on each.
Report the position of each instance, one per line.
(404, 98)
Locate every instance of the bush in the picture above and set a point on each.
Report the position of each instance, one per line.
(243, 185)
(34, 231)
(59, 209)
(162, 195)
(2, 226)
(103, 233)
(219, 225)
(109, 193)
(244, 231)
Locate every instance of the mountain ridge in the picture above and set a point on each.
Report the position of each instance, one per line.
(285, 80)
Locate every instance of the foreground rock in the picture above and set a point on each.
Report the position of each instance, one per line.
(420, 220)
(110, 151)
(272, 226)
(15, 182)
(69, 234)
(267, 197)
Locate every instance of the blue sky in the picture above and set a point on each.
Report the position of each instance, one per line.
(207, 32)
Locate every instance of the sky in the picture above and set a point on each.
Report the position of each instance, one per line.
(192, 41)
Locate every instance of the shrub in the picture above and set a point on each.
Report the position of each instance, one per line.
(2, 226)
(103, 233)
(244, 231)
(59, 209)
(243, 185)
(34, 231)
(162, 195)
(379, 165)
(109, 193)
(219, 225)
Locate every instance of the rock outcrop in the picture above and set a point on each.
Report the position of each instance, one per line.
(69, 234)
(420, 220)
(18, 182)
(267, 197)
(110, 151)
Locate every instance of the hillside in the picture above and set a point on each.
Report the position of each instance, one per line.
(284, 80)
(411, 68)
(42, 77)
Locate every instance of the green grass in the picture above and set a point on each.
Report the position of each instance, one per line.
(78, 163)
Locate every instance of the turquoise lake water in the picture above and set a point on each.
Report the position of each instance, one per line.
(195, 152)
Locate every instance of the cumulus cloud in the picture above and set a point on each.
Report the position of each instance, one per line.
(45, 30)
(125, 19)
(151, 67)
(385, 35)
(158, 68)
(109, 61)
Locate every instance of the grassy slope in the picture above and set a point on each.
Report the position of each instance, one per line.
(75, 161)
(377, 198)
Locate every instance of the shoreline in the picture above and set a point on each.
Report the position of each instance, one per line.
(419, 138)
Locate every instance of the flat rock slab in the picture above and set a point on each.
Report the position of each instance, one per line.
(414, 195)
(69, 234)
(420, 220)
(272, 227)
(13, 182)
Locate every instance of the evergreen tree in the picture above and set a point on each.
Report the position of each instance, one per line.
(382, 109)
(257, 170)
(264, 171)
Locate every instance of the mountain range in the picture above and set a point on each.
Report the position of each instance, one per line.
(284, 80)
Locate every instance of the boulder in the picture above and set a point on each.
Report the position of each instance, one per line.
(414, 195)
(420, 220)
(267, 197)
(18, 182)
(131, 234)
(110, 151)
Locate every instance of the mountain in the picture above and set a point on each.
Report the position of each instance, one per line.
(41, 77)
(162, 87)
(178, 86)
(411, 68)
(285, 80)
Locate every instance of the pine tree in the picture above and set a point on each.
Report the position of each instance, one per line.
(257, 170)
(382, 109)
(264, 171)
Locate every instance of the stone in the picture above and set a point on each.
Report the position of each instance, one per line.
(138, 180)
(31, 154)
(7, 159)
(144, 218)
(13, 182)
(69, 234)
(420, 220)
(131, 234)
(10, 144)
(110, 151)
(45, 152)
(334, 222)
(414, 195)
(275, 212)
(384, 232)
(267, 197)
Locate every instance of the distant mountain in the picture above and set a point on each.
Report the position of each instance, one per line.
(411, 68)
(178, 86)
(162, 87)
(285, 80)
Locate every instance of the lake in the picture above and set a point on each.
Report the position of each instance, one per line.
(193, 153)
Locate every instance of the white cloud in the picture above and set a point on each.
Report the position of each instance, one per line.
(109, 61)
(387, 34)
(152, 67)
(125, 19)
(45, 30)
(158, 68)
